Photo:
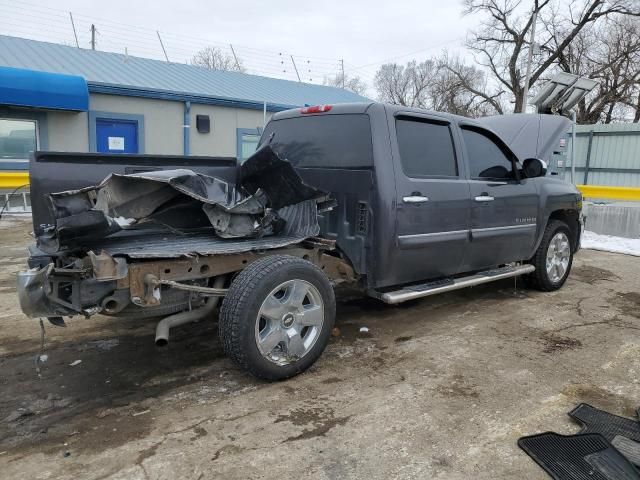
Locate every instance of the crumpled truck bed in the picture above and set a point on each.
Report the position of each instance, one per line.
(269, 200)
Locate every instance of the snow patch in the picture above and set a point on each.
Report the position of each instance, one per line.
(608, 243)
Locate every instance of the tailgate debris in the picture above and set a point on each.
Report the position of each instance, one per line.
(140, 413)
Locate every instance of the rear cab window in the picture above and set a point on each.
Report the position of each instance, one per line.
(426, 148)
(322, 141)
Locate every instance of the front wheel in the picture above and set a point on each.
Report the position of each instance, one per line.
(277, 317)
(553, 259)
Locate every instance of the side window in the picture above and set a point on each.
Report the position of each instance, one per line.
(486, 158)
(426, 149)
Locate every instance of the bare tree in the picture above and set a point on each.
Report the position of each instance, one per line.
(501, 42)
(214, 58)
(353, 84)
(405, 84)
(463, 89)
(443, 84)
(610, 54)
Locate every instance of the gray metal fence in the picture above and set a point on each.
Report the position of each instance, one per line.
(606, 155)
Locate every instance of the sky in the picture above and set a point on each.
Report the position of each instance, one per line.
(364, 33)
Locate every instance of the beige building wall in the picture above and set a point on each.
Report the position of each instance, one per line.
(68, 131)
(163, 125)
(221, 141)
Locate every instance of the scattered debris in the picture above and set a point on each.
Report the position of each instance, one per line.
(105, 345)
(42, 335)
(555, 343)
(364, 329)
(67, 454)
(404, 338)
(335, 332)
(43, 358)
(140, 413)
(74, 363)
(105, 413)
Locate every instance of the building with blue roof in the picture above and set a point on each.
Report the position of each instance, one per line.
(62, 98)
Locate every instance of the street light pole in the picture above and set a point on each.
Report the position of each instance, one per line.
(525, 91)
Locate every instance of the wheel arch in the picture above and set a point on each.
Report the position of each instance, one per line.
(571, 218)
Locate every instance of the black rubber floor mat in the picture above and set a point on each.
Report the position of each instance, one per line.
(623, 433)
(585, 456)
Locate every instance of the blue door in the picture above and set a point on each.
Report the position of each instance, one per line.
(116, 136)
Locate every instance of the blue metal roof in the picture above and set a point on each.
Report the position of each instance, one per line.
(28, 88)
(126, 75)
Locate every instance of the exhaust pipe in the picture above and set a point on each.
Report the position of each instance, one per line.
(166, 324)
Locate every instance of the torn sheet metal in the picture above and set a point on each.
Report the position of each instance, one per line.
(161, 245)
(269, 199)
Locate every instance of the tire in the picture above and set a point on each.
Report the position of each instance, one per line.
(552, 279)
(263, 306)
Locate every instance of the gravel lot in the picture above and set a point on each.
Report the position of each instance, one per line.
(439, 388)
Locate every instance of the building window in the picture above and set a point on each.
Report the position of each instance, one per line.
(18, 138)
(116, 132)
(247, 142)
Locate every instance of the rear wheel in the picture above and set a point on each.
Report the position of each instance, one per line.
(277, 317)
(553, 259)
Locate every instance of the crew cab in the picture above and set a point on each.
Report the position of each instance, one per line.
(408, 203)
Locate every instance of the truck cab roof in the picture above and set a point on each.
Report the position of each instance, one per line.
(527, 135)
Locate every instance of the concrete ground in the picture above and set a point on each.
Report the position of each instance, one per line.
(440, 388)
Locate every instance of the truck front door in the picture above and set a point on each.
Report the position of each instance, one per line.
(503, 208)
(432, 199)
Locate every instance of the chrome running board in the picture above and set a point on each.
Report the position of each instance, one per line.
(440, 286)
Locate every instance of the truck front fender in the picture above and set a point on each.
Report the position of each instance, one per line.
(558, 200)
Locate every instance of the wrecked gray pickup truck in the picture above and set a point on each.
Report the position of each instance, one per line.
(401, 203)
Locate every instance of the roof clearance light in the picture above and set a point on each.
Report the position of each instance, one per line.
(315, 109)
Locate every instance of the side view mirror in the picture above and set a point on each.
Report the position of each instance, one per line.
(534, 167)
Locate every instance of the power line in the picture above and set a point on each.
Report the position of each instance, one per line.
(117, 37)
(408, 54)
(137, 29)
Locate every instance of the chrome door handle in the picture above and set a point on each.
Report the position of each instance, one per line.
(484, 198)
(415, 199)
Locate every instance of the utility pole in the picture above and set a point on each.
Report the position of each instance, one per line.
(74, 30)
(342, 69)
(525, 91)
(295, 68)
(235, 58)
(162, 45)
(93, 37)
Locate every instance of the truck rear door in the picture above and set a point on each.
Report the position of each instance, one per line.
(432, 198)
